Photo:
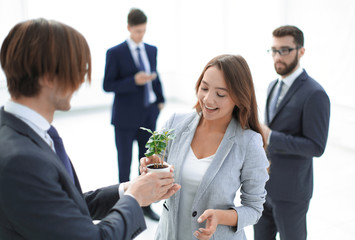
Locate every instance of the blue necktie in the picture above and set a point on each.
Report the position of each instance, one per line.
(60, 150)
(142, 68)
(273, 102)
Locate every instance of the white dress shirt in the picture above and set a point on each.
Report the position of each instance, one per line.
(288, 81)
(133, 48)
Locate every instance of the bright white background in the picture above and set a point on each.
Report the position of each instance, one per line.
(188, 34)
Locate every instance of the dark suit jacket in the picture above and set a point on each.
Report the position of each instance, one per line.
(128, 106)
(38, 200)
(299, 133)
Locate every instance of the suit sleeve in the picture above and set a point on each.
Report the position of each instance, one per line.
(101, 201)
(315, 125)
(112, 80)
(39, 207)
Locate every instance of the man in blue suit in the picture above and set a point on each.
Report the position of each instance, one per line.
(131, 73)
(297, 122)
(45, 62)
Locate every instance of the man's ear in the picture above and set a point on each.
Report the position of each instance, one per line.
(45, 81)
(301, 52)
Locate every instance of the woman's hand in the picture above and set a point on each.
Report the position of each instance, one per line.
(211, 224)
(145, 161)
(228, 217)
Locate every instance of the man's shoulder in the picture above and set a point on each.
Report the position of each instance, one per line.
(149, 46)
(17, 150)
(119, 47)
(311, 83)
(15, 140)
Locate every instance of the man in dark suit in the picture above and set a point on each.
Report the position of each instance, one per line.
(45, 62)
(297, 122)
(131, 73)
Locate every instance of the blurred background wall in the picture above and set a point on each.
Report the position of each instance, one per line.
(189, 33)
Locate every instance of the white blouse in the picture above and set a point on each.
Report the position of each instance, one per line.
(193, 170)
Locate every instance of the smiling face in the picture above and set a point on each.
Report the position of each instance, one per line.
(213, 96)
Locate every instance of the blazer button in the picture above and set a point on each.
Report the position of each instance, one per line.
(194, 213)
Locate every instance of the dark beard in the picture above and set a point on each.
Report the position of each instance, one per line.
(289, 68)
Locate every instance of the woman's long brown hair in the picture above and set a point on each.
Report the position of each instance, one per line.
(240, 85)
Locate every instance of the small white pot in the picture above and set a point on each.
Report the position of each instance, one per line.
(166, 169)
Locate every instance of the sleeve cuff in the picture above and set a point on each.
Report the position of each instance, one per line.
(128, 194)
(121, 190)
(268, 139)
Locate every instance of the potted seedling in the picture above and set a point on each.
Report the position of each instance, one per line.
(157, 144)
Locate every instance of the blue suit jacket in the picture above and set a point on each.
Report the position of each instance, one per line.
(38, 199)
(128, 106)
(299, 133)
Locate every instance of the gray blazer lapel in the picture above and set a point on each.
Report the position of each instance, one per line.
(183, 144)
(221, 154)
(177, 156)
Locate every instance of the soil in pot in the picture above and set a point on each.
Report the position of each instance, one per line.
(157, 166)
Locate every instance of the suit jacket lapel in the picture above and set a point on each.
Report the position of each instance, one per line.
(270, 90)
(129, 57)
(221, 154)
(149, 55)
(293, 89)
(23, 129)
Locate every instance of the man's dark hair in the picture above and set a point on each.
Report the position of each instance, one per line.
(136, 17)
(289, 30)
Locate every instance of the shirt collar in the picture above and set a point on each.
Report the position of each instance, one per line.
(133, 46)
(292, 77)
(29, 116)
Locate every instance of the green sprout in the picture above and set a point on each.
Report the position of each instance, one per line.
(157, 143)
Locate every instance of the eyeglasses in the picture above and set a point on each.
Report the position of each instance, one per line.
(282, 51)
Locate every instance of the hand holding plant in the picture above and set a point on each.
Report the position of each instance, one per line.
(157, 144)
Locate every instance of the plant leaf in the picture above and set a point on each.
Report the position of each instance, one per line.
(148, 154)
(146, 129)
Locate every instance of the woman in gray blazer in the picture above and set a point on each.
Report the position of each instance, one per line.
(217, 151)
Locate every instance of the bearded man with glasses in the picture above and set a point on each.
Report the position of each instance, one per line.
(296, 126)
